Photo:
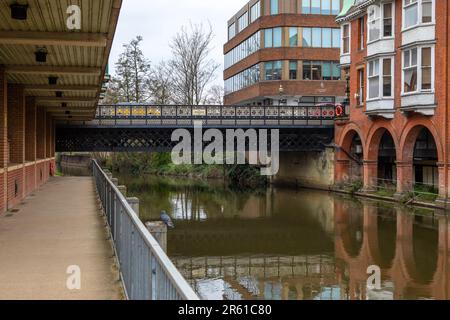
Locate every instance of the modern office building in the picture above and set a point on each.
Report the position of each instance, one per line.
(396, 54)
(284, 52)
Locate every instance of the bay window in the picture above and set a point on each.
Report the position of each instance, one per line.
(418, 68)
(380, 74)
(417, 12)
(380, 21)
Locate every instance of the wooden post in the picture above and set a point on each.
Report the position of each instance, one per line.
(158, 229)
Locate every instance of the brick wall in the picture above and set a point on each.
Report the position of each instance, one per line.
(16, 185)
(40, 133)
(30, 178)
(30, 130)
(16, 124)
(3, 138)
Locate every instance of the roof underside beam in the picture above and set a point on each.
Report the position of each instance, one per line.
(34, 38)
(93, 71)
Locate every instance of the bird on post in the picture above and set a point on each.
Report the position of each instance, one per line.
(167, 219)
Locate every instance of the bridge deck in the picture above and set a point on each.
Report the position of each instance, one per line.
(58, 227)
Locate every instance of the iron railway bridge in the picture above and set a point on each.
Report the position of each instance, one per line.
(143, 128)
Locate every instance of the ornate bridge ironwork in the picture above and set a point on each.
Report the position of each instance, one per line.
(133, 127)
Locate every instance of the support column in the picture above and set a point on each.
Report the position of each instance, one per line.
(405, 177)
(30, 145)
(3, 140)
(443, 192)
(370, 173)
(40, 145)
(16, 139)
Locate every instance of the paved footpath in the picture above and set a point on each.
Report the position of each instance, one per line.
(60, 225)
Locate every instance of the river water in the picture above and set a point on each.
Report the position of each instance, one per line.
(306, 245)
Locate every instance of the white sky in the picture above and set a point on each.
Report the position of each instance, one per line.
(157, 21)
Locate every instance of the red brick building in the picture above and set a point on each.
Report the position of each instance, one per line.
(395, 54)
(284, 52)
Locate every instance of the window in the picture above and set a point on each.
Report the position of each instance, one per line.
(325, 7)
(326, 38)
(243, 22)
(387, 77)
(277, 37)
(345, 39)
(374, 79)
(268, 38)
(361, 32)
(317, 37)
(410, 70)
(387, 20)
(335, 7)
(426, 69)
(315, 6)
(246, 78)
(361, 87)
(321, 70)
(417, 11)
(231, 31)
(243, 50)
(255, 12)
(273, 38)
(380, 78)
(374, 23)
(307, 34)
(336, 38)
(273, 70)
(293, 66)
(273, 7)
(306, 6)
(293, 37)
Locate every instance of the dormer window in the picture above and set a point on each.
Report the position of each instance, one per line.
(380, 21)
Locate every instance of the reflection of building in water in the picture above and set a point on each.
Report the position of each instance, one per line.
(261, 277)
(411, 267)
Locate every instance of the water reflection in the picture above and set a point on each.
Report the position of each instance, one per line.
(296, 245)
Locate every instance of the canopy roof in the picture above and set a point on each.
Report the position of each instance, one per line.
(78, 58)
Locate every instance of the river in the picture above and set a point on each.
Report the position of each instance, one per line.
(307, 245)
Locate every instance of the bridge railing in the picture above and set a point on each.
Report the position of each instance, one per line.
(146, 271)
(217, 115)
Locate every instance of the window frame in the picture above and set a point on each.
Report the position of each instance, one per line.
(419, 14)
(381, 78)
(348, 25)
(419, 67)
(381, 19)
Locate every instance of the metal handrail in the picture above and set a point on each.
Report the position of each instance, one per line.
(220, 113)
(146, 271)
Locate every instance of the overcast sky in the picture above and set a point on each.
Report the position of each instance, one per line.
(157, 21)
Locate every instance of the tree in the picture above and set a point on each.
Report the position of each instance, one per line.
(190, 66)
(215, 95)
(161, 84)
(133, 72)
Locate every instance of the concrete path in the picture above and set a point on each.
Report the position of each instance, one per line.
(57, 227)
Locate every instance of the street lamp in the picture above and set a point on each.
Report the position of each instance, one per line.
(280, 92)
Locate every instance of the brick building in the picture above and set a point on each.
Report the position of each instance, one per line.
(395, 54)
(48, 73)
(284, 52)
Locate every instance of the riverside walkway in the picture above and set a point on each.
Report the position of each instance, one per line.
(60, 225)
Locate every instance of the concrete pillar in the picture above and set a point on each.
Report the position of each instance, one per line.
(134, 203)
(3, 140)
(158, 229)
(123, 190)
(370, 173)
(115, 181)
(405, 177)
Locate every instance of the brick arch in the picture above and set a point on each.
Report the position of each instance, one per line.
(346, 137)
(411, 133)
(374, 139)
